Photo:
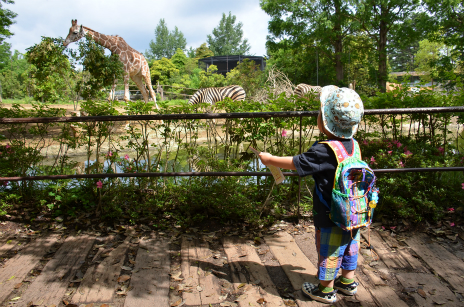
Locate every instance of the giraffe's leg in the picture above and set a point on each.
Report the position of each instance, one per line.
(126, 88)
(138, 81)
(147, 78)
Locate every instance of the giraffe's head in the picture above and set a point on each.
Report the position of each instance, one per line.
(76, 32)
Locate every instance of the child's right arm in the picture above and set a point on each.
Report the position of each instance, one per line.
(282, 162)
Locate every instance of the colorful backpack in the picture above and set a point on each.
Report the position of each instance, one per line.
(354, 195)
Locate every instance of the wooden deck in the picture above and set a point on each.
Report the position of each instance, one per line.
(136, 268)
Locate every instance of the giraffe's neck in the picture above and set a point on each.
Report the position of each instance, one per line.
(101, 39)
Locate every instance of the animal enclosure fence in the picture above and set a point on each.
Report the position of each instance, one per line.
(157, 141)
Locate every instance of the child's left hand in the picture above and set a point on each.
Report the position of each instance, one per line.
(265, 158)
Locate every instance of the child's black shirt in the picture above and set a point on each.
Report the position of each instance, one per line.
(320, 161)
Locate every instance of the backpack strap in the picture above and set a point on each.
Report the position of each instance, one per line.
(341, 154)
(340, 151)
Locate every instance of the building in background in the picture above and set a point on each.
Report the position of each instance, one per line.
(226, 63)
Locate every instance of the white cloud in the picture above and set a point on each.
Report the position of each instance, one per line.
(135, 20)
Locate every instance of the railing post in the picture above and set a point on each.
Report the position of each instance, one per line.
(299, 179)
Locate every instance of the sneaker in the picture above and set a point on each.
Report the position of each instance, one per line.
(348, 289)
(312, 291)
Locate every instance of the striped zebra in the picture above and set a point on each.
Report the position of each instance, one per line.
(302, 89)
(212, 95)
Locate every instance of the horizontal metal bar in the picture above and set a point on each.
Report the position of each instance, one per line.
(76, 119)
(217, 174)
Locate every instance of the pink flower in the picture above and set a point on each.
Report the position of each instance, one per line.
(441, 150)
(372, 159)
(365, 142)
(99, 184)
(407, 153)
(126, 157)
(452, 224)
(401, 164)
(392, 227)
(4, 183)
(7, 146)
(462, 186)
(284, 132)
(398, 144)
(450, 209)
(390, 152)
(383, 227)
(109, 154)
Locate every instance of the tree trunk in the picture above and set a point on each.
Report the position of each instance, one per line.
(382, 49)
(338, 44)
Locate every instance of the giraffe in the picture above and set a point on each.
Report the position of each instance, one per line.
(135, 64)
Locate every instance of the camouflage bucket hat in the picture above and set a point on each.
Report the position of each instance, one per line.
(342, 110)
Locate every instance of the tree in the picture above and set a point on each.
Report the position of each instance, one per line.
(203, 52)
(162, 70)
(248, 75)
(5, 55)
(6, 20)
(227, 38)
(103, 69)
(379, 19)
(319, 26)
(51, 69)
(401, 51)
(446, 25)
(166, 43)
(426, 58)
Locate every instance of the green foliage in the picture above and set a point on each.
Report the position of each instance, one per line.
(6, 20)
(426, 56)
(51, 69)
(248, 75)
(14, 78)
(102, 69)
(211, 78)
(227, 37)
(162, 70)
(166, 43)
(179, 59)
(203, 52)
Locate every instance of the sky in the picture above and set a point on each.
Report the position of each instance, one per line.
(135, 20)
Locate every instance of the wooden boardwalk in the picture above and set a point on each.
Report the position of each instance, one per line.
(136, 268)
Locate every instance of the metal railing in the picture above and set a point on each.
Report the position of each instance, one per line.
(299, 114)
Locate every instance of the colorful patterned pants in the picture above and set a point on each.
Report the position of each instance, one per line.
(336, 249)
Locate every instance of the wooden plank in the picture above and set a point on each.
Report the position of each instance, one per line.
(100, 281)
(150, 277)
(433, 291)
(240, 254)
(296, 266)
(404, 252)
(386, 297)
(389, 256)
(190, 271)
(444, 263)
(51, 285)
(8, 244)
(17, 268)
(205, 286)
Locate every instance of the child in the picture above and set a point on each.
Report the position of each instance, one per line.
(341, 112)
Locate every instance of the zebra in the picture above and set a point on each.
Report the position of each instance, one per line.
(302, 89)
(212, 95)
